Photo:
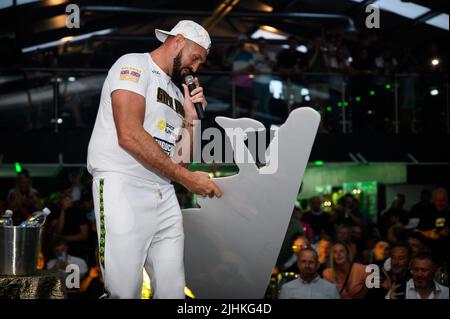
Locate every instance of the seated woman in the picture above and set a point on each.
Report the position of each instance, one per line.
(348, 276)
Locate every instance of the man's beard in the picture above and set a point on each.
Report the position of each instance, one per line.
(177, 77)
(308, 276)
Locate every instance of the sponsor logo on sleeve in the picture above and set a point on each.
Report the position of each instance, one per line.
(130, 74)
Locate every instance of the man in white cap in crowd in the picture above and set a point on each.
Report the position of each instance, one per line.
(131, 157)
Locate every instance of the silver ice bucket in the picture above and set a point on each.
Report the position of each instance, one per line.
(19, 250)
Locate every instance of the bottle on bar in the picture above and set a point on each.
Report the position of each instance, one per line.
(6, 219)
(37, 219)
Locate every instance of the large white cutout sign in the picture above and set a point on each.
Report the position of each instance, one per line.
(232, 243)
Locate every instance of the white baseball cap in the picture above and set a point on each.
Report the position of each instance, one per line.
(190, 30)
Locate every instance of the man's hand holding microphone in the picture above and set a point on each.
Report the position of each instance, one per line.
(194, 105)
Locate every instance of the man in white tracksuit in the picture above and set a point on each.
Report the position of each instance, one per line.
(130, 156)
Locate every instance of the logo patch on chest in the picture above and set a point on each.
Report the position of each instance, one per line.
(164, 98)
(165, 145)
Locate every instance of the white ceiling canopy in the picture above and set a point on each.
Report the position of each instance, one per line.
(269, 33)
(8, 3)
(66, 39)
(411, 10)
(440, 21)
(405, 9)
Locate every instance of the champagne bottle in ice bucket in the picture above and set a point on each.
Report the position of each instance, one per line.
(6, 219)
(37, 219)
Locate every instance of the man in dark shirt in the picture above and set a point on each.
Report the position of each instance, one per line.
(291, 61)
(393, 215)
(437, 216)
(423, 207)
(347, 212)
(317, 219)
(73, 226)
(393, 280)
(435, 225)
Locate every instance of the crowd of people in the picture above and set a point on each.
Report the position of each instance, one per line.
(325, 254)
(328, 70)
(336, 255)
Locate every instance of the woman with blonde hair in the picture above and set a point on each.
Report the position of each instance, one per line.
(348, 276)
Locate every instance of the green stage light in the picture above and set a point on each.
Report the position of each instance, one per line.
(358, 99)
(388, 86)
(339, 104)
(372, 93)
(345, 103)
(18, 167)
(329, 108)
(319, 163)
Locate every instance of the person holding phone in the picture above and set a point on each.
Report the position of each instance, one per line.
(422, 285)
(394, 279)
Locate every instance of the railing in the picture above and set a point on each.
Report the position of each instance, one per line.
(60, 99)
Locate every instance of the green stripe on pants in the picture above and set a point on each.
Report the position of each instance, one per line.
(102, 226)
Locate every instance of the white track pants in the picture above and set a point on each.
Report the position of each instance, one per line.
(139, 225)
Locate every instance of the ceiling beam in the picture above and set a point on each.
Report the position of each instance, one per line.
(359, 6)
(426, 16)
(237, 14)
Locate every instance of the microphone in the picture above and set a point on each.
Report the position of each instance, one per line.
(189, 81)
